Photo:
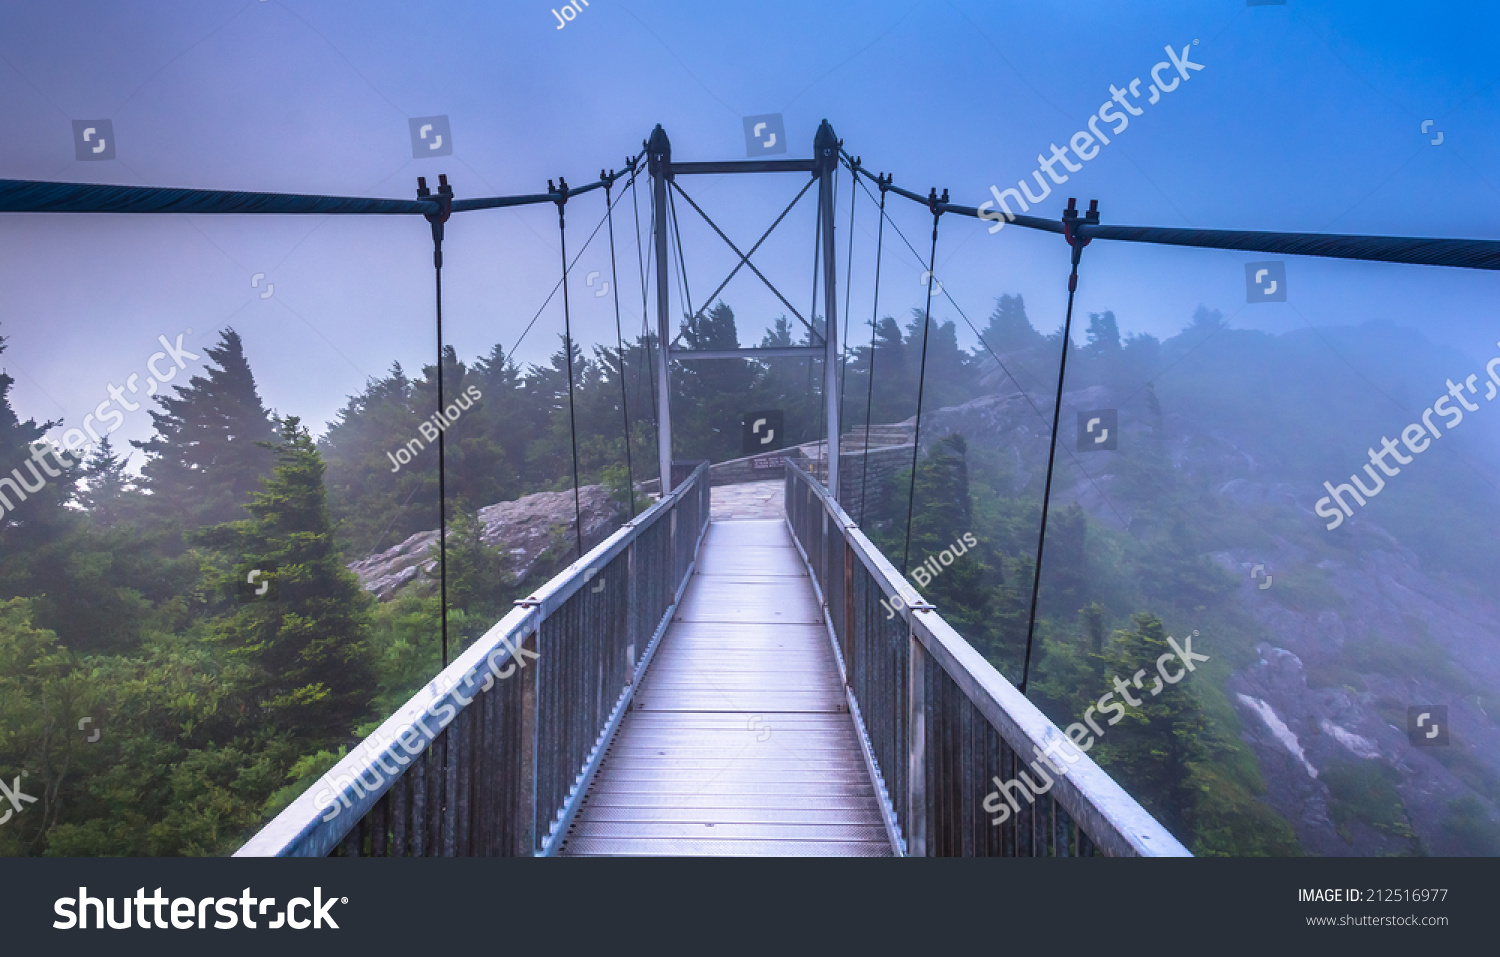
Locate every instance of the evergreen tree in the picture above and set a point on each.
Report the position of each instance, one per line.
(971, 589)
(304, 640)
(36, 483)
(949, 372)
(790, 384)
(1206, 322)
(106, 484)
(508, 423)
(1103, 335)
(479, 585)
(550, 452)
(1065, 569)
(208, 455)
(1009, 330)
(1158, 741)
(894, 372)
(713, 395)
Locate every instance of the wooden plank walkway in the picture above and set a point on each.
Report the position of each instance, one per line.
(739, 741)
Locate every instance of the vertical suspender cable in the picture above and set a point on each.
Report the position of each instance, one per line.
(1070, 219)
(687, 295)
(562, 233)
(614, 281)
(864, 481)
(445, 197)
(848, 291)
(645, 270)
(916, 441)
(813, 315)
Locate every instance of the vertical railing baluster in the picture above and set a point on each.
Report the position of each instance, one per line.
(400, 809)
(916, 769)
(526, 836)
(966, 774)
(379, 815)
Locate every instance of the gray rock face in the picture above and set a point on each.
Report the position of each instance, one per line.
(522, 530)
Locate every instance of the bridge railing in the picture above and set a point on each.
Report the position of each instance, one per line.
(943, 728)
(492, 757)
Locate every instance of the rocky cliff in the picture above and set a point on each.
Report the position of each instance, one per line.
(526, 531)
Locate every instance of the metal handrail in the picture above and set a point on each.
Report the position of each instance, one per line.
(1110, 819)
(467, 695)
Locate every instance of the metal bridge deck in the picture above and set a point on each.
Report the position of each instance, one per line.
(739, 741)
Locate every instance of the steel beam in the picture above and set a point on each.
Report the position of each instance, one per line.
(747, 166)
(826, 156)
(659, 156)
(776, 352)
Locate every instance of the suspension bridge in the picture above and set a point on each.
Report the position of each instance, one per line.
(692, 686)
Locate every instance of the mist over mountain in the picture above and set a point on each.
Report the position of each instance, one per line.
(1203, 520)
(1205, 517)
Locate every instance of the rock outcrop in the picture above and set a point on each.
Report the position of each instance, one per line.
(524, 531)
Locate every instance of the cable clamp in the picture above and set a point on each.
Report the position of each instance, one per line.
(933, 202)
(444, 198)
(1070, 220)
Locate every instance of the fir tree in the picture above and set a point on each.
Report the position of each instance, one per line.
(1158, 741)
(478, 583)
(208, 455)
(1009, 330)
(105, 484)
(713, 395)
(35, 482)
(1103, 335)
(304, 640)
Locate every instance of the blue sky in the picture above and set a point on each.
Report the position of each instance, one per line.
(1306, 116)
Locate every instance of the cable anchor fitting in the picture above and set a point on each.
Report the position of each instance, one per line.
(444, 199)
(561, 191)
(934, 202)
(1070, 221)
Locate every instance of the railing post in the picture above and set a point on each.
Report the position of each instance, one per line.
(632, 614)
(527, 843)
(846, 640)
(916, 746)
